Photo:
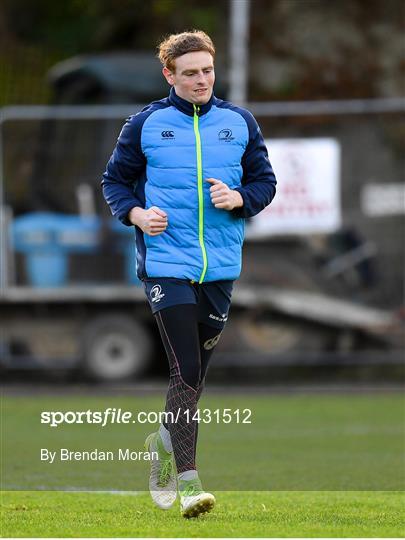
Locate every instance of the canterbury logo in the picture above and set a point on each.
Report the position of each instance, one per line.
(168, 134)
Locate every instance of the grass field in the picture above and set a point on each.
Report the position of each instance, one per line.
(307, 465)
(237, 514)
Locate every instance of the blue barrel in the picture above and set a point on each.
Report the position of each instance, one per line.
(127, 246)
(47, 238)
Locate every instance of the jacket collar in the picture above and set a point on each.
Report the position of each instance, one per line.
(186, 107)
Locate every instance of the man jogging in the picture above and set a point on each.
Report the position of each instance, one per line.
(187, 170)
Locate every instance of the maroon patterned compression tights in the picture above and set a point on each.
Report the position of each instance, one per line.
(189, 346)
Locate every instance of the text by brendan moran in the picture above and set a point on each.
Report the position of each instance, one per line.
(121, 454)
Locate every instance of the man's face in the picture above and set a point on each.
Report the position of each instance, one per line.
(193, 78)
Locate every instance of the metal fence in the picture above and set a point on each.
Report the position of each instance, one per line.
(52, 158)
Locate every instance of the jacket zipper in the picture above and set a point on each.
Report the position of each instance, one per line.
(200, 193)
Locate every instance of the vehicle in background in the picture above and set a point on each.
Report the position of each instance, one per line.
(56, 320)
(69, 296)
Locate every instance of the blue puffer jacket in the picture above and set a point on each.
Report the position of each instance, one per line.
(162, 158)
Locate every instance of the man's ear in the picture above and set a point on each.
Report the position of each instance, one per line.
(168, 76)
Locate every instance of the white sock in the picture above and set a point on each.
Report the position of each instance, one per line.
(188, 475)
(165, 436)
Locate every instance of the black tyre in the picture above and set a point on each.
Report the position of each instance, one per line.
(115, 348)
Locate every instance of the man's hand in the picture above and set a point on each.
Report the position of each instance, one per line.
(152, 221)
(223, 196)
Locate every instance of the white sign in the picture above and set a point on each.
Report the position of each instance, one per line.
(383, 199)
(308, 189)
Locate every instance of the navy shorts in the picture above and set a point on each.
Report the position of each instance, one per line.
(213, 298)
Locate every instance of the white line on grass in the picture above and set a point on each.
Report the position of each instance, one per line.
(72, 489)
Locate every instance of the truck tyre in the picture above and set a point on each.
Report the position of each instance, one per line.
(115, 348)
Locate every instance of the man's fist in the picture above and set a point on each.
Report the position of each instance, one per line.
(224, 197)
(152, 221)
